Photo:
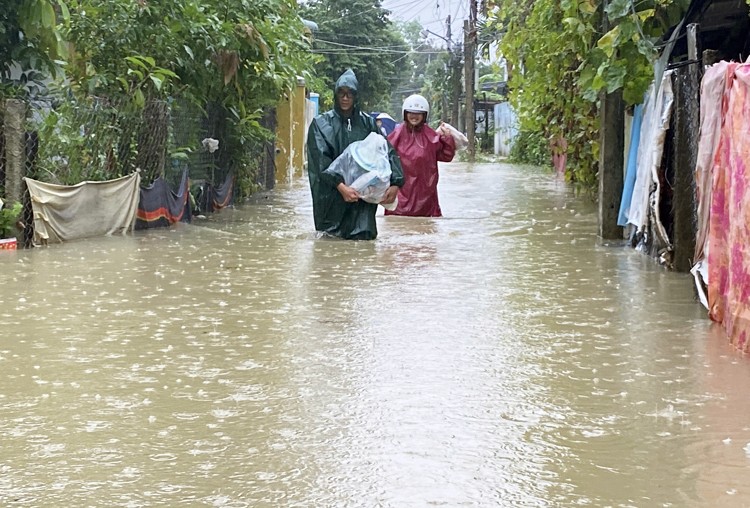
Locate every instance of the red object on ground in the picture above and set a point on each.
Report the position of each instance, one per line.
(8, 244)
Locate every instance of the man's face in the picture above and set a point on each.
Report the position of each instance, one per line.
(345, 98)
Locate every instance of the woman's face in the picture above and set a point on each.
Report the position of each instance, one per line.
(414, 119)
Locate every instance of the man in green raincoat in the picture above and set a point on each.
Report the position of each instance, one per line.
(337, 209)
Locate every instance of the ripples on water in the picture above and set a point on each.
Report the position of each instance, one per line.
(496, 357)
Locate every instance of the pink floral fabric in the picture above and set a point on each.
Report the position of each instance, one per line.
(559, 147)
(729, 228)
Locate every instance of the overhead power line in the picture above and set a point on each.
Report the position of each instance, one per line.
(382, 48)
(325, 36)
(348, 48)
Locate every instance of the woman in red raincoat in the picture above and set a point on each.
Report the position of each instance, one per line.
(420, 148)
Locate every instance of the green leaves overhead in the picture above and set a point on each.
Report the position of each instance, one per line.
(143, 75)
(608, 42)
(31, 40)
(616, 9)
(232, 50)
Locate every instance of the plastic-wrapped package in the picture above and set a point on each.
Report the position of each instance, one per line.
(365, 167)
(459, 137)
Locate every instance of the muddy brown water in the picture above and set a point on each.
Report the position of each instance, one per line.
(499, 356)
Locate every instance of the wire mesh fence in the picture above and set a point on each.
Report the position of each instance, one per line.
(69, 140)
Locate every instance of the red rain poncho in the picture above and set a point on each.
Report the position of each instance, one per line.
(420, 150)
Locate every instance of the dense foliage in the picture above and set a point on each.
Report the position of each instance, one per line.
(234, 59)
(563, 54)
(431, 71)
(9, 216)
(240, 52)
(132, 61)
(32, 46)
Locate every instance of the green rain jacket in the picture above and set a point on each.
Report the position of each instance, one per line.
(329, 135)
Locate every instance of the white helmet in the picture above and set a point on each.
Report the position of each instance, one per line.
(415, 104)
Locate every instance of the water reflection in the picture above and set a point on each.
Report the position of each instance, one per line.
(498, 356)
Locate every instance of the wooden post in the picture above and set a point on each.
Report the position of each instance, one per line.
(686, 129)
(469, 86)
(611, 147)
(15, 149)
(456, 89)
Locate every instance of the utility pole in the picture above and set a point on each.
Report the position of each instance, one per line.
(455, 80)
(455, 76)
(470, 35)
(456, 87)
(448, 33)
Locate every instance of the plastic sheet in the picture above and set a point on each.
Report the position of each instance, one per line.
(461, 140)
(365, 167)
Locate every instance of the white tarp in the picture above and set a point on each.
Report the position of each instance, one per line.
(69, 212)
(656, 116)
(311, 111)
(713, 90)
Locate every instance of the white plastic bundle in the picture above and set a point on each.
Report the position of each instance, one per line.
(459, 137)
(365, 167)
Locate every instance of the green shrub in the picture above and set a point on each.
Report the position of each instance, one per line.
(532, 148)
(8, 217)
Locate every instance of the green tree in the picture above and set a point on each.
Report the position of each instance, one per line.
(427, 71)
(543, 60)
(442, 85)
(32, 43)
(233, 59)
(357, 34)
(242, 53)
(561, 61)
(623, 57)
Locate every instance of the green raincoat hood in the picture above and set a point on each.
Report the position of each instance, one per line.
(347, 80)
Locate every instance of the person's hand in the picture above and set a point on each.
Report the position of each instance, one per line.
(390, 195)
(349, 194)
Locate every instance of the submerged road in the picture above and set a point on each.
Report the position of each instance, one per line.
(498, 356)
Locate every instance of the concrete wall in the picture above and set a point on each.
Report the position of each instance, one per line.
(291, 131)
(506, 128)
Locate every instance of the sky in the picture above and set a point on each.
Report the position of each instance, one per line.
(432, 15)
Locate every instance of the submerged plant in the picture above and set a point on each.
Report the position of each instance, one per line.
(9, 216)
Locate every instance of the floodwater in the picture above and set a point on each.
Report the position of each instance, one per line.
(499, 356)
